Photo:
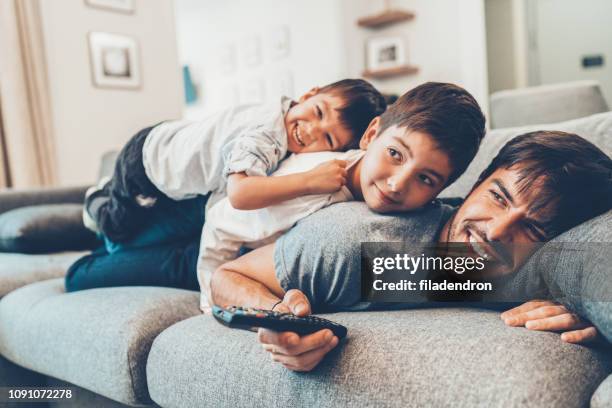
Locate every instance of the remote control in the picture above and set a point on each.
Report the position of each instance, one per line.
(247, 318)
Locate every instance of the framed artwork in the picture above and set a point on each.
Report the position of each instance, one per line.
(384, 53)
(250, 50)
(114, 60)
(278, 42)
(123, 6)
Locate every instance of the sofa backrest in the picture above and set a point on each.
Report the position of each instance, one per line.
(546, 104)
(596, 128)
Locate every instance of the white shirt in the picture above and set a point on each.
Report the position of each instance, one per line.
(226, 229)
(185, 158)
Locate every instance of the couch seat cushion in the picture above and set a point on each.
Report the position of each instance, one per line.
(427, 357)
(97, 339)
(17, 270)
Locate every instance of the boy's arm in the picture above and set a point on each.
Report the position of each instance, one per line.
(253, 192)
(250, 281)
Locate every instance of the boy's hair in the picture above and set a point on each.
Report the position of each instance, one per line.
(362, 103)
(448, 113)
(573, 177)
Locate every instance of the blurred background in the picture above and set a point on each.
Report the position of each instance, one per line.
(79, 77)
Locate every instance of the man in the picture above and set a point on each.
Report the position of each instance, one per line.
(539, 185)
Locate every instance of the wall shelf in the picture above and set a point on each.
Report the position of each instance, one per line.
(390, 72)
(385, 18)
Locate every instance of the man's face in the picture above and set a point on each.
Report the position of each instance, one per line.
(313, 124)
(496, 222)
(402, 169)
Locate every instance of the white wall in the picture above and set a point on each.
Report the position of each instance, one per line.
(446, 41)
(206, 27)
(567, 30)
(507, 46)
(87, 120)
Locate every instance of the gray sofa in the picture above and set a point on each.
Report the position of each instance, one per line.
(150, 346)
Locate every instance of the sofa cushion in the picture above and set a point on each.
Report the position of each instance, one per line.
(97, 339)
(573, 269)
(597, 129)
(17, 270)
(603, 395)
(45, 229)
(425, 357)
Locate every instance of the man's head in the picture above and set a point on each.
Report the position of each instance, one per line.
(332, 117)
(538, 186)
(419, 145)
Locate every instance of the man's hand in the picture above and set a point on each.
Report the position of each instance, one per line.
(550, 316)
(327, 177)
(294, 352)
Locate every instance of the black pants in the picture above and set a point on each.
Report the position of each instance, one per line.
(120, 216)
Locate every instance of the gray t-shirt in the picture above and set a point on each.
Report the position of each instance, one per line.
(321, 255)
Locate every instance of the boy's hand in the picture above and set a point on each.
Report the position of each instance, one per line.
(327, 177)
(550, 316)
(297, 353)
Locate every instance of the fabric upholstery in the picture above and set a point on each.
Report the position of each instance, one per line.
(98, 339)
(603, 395)
(17, 270)
(11, 199)
(546, 104)
(428, 357)
(575, 270)
(597, 129)
(45, 229)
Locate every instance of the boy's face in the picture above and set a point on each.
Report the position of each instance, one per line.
(402, 169)
(313, 124)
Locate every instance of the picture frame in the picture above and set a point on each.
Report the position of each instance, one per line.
(115, 60)
(385, 53)
(122, 6)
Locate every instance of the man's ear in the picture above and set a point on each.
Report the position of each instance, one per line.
(370, 133)
(310, 94)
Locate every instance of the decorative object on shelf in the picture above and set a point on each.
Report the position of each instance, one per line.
(191, 94)
(114, 60)
(250, 50)
(278, 42)
(390, 72)
(387, 17)
(123, 6)
(385, 53)
(386, 57)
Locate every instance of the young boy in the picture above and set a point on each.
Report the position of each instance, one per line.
(407, 155)
(232, 152)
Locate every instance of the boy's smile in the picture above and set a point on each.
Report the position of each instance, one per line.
(313, 124)
(401, 170)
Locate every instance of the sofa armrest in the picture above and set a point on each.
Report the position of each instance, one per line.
(11, 199)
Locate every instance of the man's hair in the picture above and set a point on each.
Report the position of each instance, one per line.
(362, 103)
(572, 175)
(448, 113)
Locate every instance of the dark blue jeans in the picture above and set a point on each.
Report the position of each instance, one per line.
(163, 254)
